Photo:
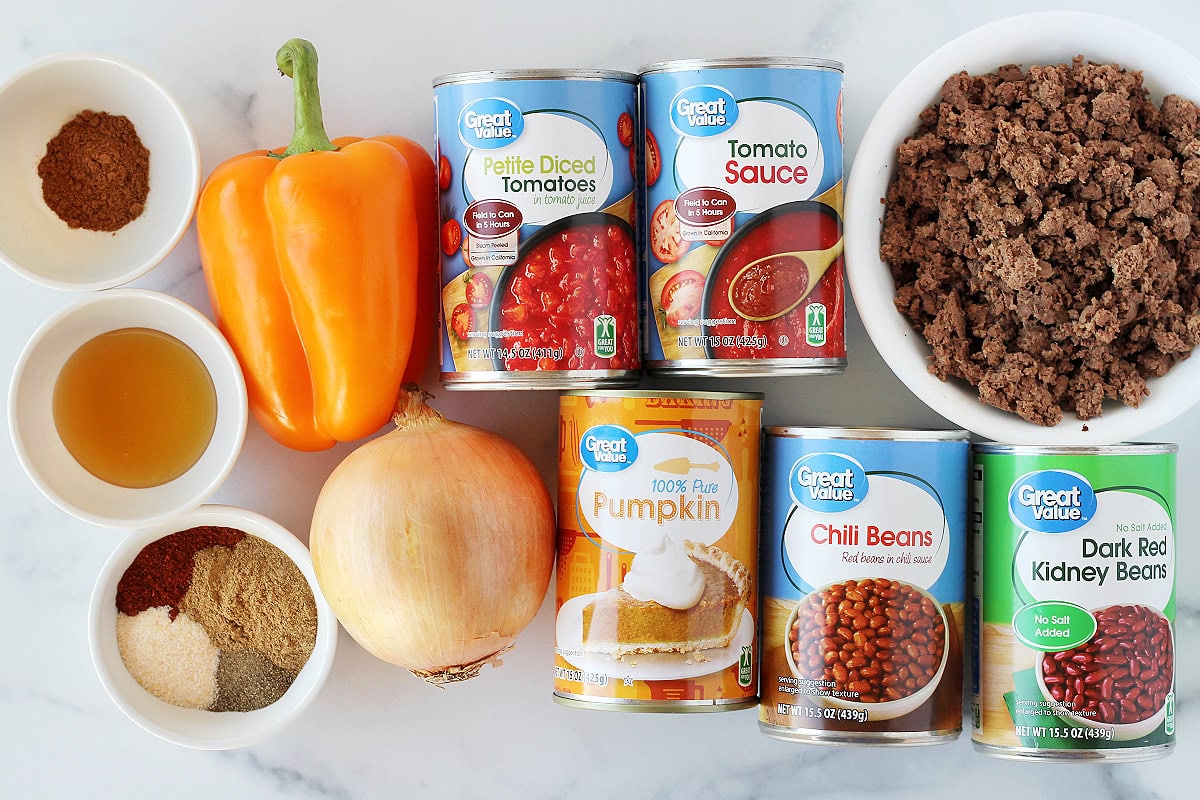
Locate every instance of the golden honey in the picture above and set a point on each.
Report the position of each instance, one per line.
(135, 407)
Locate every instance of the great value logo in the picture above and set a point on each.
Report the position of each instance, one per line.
(1052, 501)
(828, 482)
(703, 111)
(490, 123)
(608, 448)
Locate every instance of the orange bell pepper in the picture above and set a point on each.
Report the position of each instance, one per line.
(312, 257)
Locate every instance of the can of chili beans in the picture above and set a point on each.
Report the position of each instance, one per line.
(1074, 599)
(742, 186)
(864, 586)
(657, 599)
(539, 261)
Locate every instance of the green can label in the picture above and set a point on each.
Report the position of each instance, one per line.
(1074, 597)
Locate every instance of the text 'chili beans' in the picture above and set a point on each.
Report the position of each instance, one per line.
(863, 564)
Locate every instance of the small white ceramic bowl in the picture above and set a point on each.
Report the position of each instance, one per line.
(205, 730)
(1040, 38)
(34, 105)
(889, 709)
(46, 459)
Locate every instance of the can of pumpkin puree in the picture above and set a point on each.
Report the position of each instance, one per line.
(863, 568)
(742, 186)
(657, 599)
(539, 258)
(1074, 602)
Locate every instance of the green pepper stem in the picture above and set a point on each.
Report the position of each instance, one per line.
(298, 60)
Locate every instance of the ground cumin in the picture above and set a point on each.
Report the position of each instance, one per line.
(253, 596)
(1042, 232)
(96, 172)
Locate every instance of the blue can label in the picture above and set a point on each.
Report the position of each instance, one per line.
(539, 262)
(742, 164)
(863, 565)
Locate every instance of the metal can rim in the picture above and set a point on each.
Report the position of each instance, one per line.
(643, 394)
(488, 75)
(1123, 449)
(869, 433)
(742, 62)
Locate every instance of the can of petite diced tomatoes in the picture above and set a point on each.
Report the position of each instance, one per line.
(539, 260)
(742, 229)
(864, 542)
(657, 598)
(1074, 599)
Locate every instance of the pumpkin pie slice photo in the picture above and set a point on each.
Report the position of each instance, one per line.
(623, 621)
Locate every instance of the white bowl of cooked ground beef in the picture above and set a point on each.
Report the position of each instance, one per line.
(1022, 236)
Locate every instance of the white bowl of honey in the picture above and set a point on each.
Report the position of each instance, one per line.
(127, 408)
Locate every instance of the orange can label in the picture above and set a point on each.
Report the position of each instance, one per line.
(657, 600)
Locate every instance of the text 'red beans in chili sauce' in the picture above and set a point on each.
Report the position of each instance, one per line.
(539, 263)
(742, 173)
(863, 564)
(1075, 594)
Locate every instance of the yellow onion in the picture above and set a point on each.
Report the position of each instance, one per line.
(434, 543)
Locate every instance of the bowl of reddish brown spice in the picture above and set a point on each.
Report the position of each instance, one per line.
(1021, 235)
(100, 169)
(211, 631)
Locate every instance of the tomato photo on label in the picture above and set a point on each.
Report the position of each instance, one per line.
(479, 290)
(653, 159)
(682, 296)
(451, 237)
(625, 128)
(462, 321)
(666, 240)
(444, 173)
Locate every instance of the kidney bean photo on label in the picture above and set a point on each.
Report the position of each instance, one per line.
(1123, 674)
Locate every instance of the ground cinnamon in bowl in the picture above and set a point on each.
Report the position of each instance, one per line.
(96, 172)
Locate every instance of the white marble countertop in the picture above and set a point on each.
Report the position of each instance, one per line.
(376, 731)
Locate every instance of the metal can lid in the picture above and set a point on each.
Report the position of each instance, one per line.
(647, 394)
(884, 434)
(742, 62)
(1123, 449)
(488, 75)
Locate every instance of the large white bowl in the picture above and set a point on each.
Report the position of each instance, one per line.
(46, 459)
(1040, 38)
(35, 103)
(205, 730)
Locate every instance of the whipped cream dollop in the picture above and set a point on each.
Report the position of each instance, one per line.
(666, 575)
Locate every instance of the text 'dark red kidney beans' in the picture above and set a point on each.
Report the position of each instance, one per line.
(1074, 601)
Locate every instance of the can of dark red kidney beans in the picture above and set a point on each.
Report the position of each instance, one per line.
(539, 260)
(657, 600)
(1074, 601)
(742, 222)
(863, 564)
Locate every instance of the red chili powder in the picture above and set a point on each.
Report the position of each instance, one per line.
(161, 573)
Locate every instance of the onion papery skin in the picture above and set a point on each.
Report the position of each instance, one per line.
(434, 544)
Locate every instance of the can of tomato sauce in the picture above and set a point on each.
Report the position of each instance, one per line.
(539, 261)
(1074, 602)
(864, 585)
(742, 184)
(657, 598)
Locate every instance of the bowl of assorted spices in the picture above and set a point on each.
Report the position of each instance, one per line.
(211, 631)
(100, 169)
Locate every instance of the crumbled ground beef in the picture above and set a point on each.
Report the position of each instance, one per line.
(1042, 232)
